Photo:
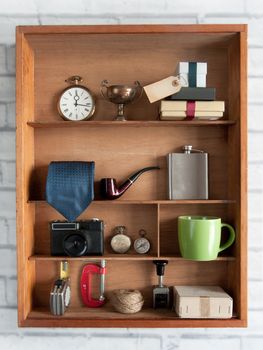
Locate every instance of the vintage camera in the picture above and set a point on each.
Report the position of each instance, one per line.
(77, 238)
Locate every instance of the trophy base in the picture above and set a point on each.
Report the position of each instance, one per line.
(120, 118)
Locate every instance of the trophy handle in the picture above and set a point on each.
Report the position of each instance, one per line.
(104, 84)
(139, 90)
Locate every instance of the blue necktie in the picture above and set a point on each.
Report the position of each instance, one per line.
(70, 187)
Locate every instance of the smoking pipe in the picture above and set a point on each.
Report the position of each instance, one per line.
(109, 189)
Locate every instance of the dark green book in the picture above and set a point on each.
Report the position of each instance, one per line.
(194, 93)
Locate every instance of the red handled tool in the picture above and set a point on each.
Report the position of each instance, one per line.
(86, 284)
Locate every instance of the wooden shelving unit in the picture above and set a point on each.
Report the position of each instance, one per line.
(46, 56)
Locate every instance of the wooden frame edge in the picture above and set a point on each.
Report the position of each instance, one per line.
(243, 171)
(132, 28)
(20, 288)
(133, 323)
(21, 196)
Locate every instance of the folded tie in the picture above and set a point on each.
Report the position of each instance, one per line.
(70, 187)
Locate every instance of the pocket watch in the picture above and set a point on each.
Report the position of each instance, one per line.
(120, 242)
(76, 102)
(142, 245)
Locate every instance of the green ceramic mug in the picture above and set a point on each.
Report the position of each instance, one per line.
(200, 237)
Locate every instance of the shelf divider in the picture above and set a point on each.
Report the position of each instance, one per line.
(158, 230)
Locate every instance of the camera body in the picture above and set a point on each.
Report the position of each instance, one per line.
(78, 238)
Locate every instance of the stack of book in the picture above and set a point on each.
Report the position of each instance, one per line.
(194, 100)
(179, 110)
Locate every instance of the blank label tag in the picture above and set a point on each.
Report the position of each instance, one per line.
(162, 88)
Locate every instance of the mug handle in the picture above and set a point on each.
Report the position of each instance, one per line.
(231, 238)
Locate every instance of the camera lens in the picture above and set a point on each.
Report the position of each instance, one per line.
(75, 245)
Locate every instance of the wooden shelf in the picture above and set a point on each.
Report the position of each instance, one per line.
(104, 317)
(117, 257)
(129, 123)
(150, 202)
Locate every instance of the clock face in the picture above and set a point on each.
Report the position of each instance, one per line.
(120, 243)
(142, 245)
(76, 103)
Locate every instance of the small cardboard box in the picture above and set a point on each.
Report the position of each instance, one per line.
(201, 67)
(182, 69)
(202, 302)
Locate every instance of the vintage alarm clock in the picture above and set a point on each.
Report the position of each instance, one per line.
(142, 244)
(120, 242)
(76, 102)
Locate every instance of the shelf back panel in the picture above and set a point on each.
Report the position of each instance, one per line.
(134, 217)
(122, 275)
(121, 59)
(169, 244)
(119, 154)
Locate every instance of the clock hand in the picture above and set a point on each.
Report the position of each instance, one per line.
(79, 104)
(141, 245)
(76, 98)
(76, 94)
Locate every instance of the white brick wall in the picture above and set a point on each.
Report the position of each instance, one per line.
(2, 116)
(254, 117)
(3, 231)
(7, 171)
(2, 59)
(255, 229)
(18, 12)
(7, 145)
(7, 203)
(207, 343)
(7, 89)
(2, 292)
